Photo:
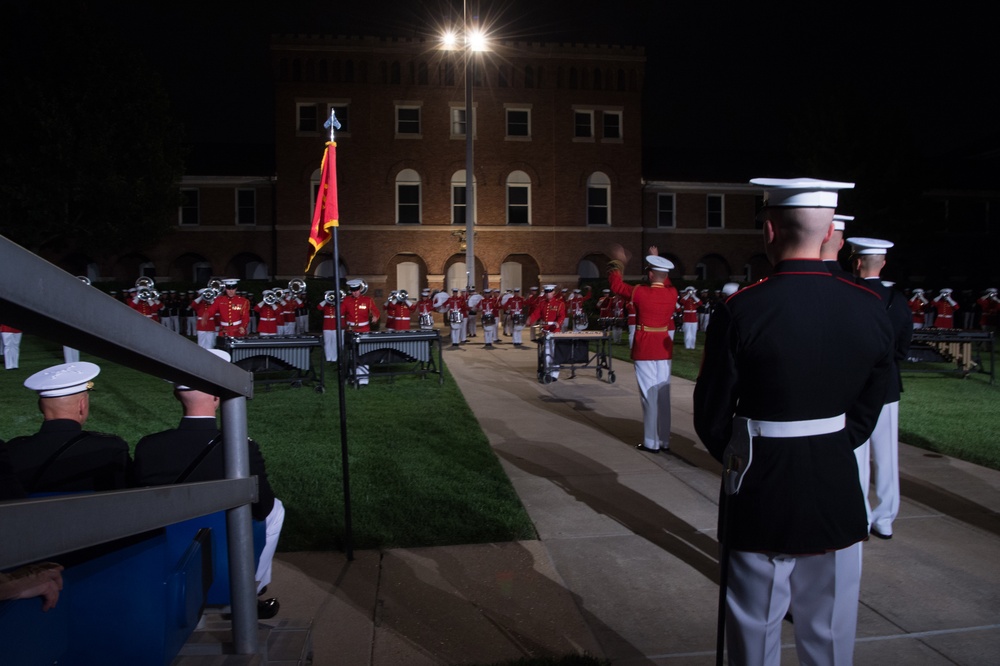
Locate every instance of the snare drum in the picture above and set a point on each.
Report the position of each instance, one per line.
(519, 318)
(489, 319)
(455, 316)
(580, 322)
(426, 320)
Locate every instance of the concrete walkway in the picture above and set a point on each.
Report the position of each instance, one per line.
(625, 566)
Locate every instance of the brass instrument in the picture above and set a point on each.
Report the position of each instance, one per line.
(270, 297)
(84, 279)
(402, 296)
(330, 296)
(217, 285)
(297, 286)
(144, 282)
(148, 295)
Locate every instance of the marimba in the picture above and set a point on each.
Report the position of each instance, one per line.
(572, 349)
(963, 348)
(276, 353)
(414, 349)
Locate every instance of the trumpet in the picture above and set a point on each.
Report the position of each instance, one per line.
(331, 296)
(297, 286)
(402, 296)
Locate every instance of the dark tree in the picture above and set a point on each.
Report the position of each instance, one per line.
(91, 156)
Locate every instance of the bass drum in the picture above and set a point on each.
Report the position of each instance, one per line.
(439, 300)
(475, 300)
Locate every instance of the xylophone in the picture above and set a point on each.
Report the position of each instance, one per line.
(962, 347)
(291, 351)
(571, 349)
(393, 348)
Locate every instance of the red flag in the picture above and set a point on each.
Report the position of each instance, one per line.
(326, 214)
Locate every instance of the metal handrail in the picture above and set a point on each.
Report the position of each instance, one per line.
(44, 300)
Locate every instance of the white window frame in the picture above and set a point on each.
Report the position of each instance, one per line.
(458, 183)
(721, 198)
(408, 106)
(196, 208)
(507, 123)
(345, 118)
(577, 113)
(253, 206)
(666, 196)
(621, 129)
(409, 178)
(317, 123)
(599, 181)
(457, 121)
(521, 181)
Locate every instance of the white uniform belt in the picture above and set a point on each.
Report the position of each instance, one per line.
(329, 316)
(797, 428)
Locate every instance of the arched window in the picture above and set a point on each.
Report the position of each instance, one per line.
(518, 198)
(408, 197)
(598, 199)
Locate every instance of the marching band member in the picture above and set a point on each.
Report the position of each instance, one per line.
(945, 308)
(11, 346)
(653, 349)
(456, 309)
(233, 311)
(473, 300)
(989, 307)
(205, 329)
(918, 306)
(269, 313)
(397, 311)
(490, 307)
(328, 306)
(551, 311)
(517, 309)
(146, 303)
(425, 310)
(358, 311)
(689, 313)
(508, 325)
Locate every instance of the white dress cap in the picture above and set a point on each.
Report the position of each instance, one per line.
(63, 379)
(221, 353)
(801, 192)
(230, 282)
(658, 263)
(870, 245)
(549, 287)
(840, 220)
(730, 288)
(354, 284)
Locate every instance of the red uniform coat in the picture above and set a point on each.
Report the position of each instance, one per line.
(234, 315)
(359, 312)
(654, 312)
(689, 309)
(269, 315)
(945, 314)
(551, 312)
(329, 311)
(199, 308)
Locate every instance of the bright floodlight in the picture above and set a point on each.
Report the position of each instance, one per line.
(449, 39)
(477, 40)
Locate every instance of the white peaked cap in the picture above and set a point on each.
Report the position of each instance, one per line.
(63, 379)
(801, 192)
(658, 263)
(870, 245)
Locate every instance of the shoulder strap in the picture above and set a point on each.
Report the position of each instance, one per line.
(199, 459)
(40, 472)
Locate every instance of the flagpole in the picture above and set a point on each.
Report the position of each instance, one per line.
(341, 375)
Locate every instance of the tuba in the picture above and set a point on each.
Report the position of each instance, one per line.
(216, 285)
(148, 295)
(145, 282)
(270, 297)
(330, 296)
(297, 287)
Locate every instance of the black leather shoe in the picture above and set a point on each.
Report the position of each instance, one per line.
(643, 447)
(267, 608)
(879, 535)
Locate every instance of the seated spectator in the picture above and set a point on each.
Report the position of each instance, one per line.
(193, 452)
(34, 580)
(62, 456)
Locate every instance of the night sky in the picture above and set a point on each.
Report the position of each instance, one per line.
(717, 78)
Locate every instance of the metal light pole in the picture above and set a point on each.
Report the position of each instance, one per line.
(470, 196)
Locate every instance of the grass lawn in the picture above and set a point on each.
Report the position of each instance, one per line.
(421, 470)
(939, 411)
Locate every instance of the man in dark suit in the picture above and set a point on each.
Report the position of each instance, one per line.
(882, 449)
(193, 452)
(63, 457)
(789, 386)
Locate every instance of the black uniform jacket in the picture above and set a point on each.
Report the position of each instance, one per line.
(802, 344)
(901, 319)
(161, 458)
(93, 461)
